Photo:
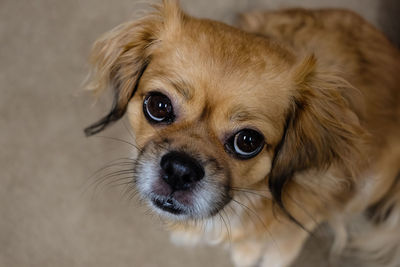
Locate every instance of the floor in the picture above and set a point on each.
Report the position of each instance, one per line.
(51, 212)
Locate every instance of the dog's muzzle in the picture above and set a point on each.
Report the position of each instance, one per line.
(179, 174)
(181, 184)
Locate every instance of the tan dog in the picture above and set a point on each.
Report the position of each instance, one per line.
(256, 136)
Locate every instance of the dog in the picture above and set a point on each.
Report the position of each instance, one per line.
(254, 135)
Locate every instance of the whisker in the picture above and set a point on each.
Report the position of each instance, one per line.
(251, 189)
(115, 174)
(114, 163)
(229, 229)
(133, 194)
(249, 192)
(258, 217)
(115, 183)
(120, 140)
(131, 134)
(226, 226)
(127, 189)
(235, 212)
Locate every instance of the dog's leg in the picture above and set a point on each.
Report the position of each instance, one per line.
(277, 252)
(247, 253)
(281, 252)
(185, 238)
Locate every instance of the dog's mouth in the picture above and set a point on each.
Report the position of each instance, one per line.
(179, 186)
(198, 202)
(168, 204)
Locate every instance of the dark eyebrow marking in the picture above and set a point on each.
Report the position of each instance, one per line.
(179, 84)
(241, 114)
(206, 112)
(182, 88)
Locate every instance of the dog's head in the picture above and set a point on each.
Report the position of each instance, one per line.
(216, 109)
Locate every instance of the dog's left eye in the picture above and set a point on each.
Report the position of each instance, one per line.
(157, 108)
(245, 144)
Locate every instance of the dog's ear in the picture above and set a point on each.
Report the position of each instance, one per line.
(321, 127)
(120, 57)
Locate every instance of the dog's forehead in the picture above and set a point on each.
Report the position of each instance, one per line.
(218, 58)
(224, 50)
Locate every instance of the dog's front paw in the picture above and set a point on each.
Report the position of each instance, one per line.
(246, 254)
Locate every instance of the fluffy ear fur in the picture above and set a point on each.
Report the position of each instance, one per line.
(120, 57)
(321, 128)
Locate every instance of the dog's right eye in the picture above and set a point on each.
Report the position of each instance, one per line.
(245, 144)
(157, 108)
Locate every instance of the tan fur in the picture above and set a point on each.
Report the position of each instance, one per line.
(322, 86)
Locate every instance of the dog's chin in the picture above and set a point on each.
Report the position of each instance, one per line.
(198, 201)
(168, 205)
(171, 208)
(191, 204)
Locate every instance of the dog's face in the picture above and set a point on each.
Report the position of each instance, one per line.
(214, 109)
(206, 119)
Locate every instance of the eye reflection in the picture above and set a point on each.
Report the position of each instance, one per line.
(245, 144)
(157, 108)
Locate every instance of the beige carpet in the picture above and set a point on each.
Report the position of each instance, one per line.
(50, 215)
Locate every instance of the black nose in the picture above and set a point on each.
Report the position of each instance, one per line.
(180, 170)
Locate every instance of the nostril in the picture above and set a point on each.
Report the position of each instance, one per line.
(165, 177)
(186, 178)
(180, 170)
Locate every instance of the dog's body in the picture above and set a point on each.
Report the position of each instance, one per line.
(253, 137)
